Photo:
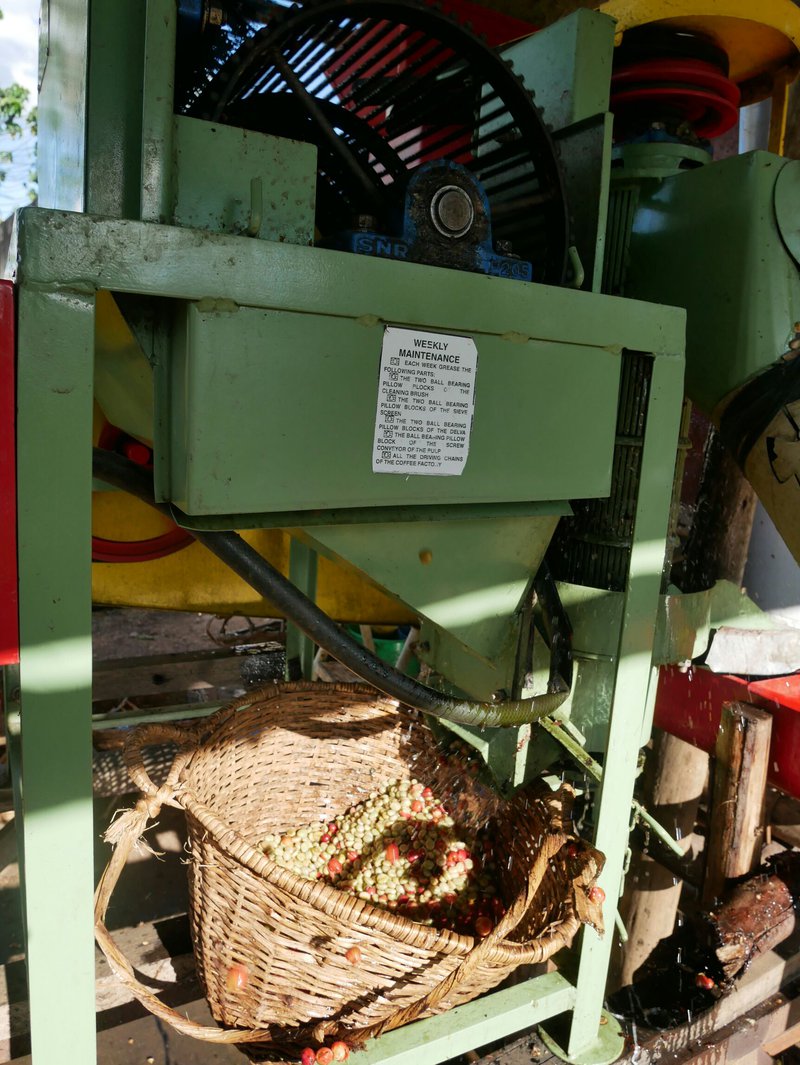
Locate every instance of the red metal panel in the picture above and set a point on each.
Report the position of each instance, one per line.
(689, 705)
(9, 617)
(497, 28)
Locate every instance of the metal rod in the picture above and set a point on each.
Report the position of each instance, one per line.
(398, 84)
(178, 712)
(329, 133)
(356, 69)
(411, 135)
(561, 734)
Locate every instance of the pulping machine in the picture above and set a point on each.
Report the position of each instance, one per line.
(354, 295)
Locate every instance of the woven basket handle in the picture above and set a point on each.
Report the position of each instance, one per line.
(124, 833)
(504, 927)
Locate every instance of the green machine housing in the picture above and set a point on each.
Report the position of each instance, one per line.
(255, 375)
(721, 240)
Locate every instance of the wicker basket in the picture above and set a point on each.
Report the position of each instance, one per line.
(291, 754)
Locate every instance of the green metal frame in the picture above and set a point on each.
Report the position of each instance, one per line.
(54, 423)
(63, 260)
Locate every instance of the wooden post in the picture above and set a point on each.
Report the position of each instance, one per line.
(674, 780)
(736, 825)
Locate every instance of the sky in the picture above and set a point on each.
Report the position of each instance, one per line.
(19, 36)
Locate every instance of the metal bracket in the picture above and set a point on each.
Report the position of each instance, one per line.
(560, 732)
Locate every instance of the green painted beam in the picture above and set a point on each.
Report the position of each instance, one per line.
(158, 167)
(56, 248)
(633, 681)
(568, 66)
(63, 74)
(475, 1024)
(114, 136)
(54, 427)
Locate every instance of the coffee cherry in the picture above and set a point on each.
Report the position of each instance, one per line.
(483, 926)
(236, 978)
(401, 851)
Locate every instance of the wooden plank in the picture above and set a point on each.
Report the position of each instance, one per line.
(736, 829)
(790, 1037)
(366, 637)
(146, 950)
(151, 674)
(744, 1041)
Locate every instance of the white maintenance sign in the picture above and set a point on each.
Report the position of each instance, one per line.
(426, 397)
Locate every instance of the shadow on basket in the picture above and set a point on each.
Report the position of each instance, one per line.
(347, 874)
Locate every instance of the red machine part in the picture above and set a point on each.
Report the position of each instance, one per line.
(689, 706)
(692, 90)
(140, 550)
(494, 26)
(174, 539)
(497, 29)
(9, 602)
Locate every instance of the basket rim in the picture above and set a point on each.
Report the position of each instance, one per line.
(330, 899)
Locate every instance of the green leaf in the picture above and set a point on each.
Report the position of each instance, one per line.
(15, 118)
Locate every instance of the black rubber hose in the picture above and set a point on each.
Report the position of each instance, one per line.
(270, 583)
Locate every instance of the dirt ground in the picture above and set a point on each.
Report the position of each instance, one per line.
(119, 632)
